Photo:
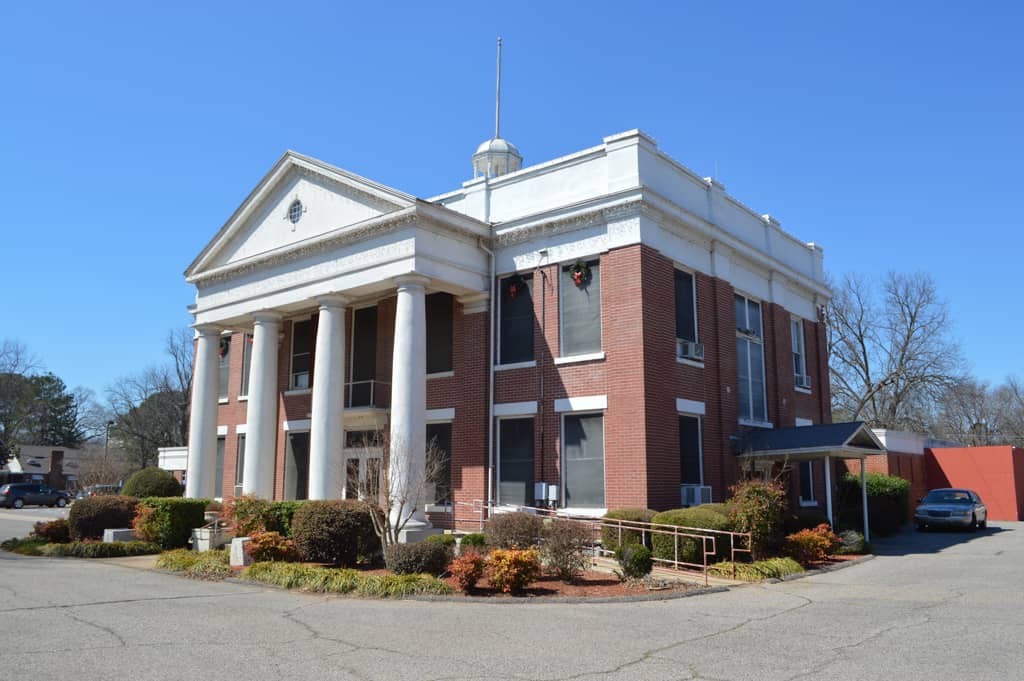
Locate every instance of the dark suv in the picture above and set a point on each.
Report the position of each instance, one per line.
(18, 494)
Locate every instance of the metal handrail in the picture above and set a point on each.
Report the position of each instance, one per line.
(350, 386)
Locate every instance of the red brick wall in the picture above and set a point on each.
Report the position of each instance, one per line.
(995, 473)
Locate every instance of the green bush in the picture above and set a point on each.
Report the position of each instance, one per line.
(691, 550)
(771, 568)
(279, 516)
(331, 580)
(425, 557)
(169, 521)
(634, 561)
(610, 536)
(90, 516)
(443, 539)
(888, 502)
(116, 549)
(564, 551)
(338, 532)
(473, 540)
(514, 530)
(152, 482)
(758, 507)
(53, 532)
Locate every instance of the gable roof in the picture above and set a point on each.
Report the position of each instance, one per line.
(850, 440)
(392, 198)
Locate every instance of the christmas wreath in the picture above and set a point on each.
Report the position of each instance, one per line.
(580, 273)
(516, 285)
(225, 346)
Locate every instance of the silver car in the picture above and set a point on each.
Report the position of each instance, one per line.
(950, 507)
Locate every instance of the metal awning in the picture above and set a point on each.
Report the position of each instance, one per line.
(851, 440)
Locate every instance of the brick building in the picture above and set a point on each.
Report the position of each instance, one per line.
(643, 320)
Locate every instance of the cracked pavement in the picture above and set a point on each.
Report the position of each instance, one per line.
(934, 606)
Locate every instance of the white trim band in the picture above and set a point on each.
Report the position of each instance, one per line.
(690, 407)
(447, 414)
(587, 403)
(515, 408)
(572, 359)
(222, 430)
(300, 425)
(242, 429)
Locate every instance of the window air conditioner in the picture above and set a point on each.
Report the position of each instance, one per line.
(695, 495)
(802, 381)
(690, 350)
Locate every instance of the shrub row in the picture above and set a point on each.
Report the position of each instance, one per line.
(770, 568)
(117, 549)
(613, 537)
(888, 502)
(251, 514)
(169, 521)
(210, 565)
(343, 581)
(691, 549)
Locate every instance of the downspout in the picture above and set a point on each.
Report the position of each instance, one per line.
(490, 382)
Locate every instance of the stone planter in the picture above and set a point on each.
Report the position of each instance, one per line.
(209, 538)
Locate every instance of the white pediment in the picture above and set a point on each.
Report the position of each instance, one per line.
(330, 199)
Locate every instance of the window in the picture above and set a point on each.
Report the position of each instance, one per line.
(296, 467)
(691, 471)
(515, 461)
(583, 439)
(439, 460)
(364, 357)
(799, 357)
(581, 310)
(750, 360)
(439, 332)
(223, 367)
(240, 465)
(218, 480)
(807, 484)
(515, 341)
(246, 363)
(686, 307)
(302, 355)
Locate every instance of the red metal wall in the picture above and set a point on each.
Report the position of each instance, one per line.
(996, 473)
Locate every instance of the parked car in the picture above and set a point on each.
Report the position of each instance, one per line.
(16, 495)
(948, 507)
(97, 490)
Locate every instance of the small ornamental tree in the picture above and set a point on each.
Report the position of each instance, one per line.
(152, 482)
(757, 507)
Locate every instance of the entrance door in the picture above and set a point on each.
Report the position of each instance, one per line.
(296, 467)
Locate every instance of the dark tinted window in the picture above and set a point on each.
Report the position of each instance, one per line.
(515, 461)
(581, 312)
(516, 319)
(686, 323)
(584, 460)
(439, 447)
(364, 356)
(439, 332)
(689, 450)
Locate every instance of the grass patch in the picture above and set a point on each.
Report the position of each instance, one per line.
(771, 568)
(117, 549)
(343, 581)
(210, 565)
(25, 546)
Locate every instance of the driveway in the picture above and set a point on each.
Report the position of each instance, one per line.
(18, 522)
(934, 607)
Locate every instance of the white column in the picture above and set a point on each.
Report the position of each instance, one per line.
(864, 498)
(261, 415)
(327, 430)
(409, 403)
(202, 430)
(828, 489)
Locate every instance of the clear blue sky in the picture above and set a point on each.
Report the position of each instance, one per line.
(891, 133)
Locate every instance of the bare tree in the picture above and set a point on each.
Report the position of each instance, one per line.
(395, 499)
(891, 355)
(151, 408)
(17, 395)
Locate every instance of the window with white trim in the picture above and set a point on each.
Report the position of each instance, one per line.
(799, 355)
(686, 315)
(302, 355)
(580, 308)
(516, 321)
(239, 465)
(583, 447)
(246, 364)
(223, 367)
(218, 480)
(750, 360)
(515, 461)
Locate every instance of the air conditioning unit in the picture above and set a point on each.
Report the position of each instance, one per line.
(690, 350)
(695, 495)
(802, 381)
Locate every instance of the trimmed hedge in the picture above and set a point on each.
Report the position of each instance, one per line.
(152, 482)
(771, 568)
(330, 580)
(250, 514)
(116, 549)
(338, 532)
(514, 530)
(170, 520)
(610, 535)
(888, 502)
(90, 516)
(279, 516)
(473, 540)
(690, 550)
(425, 557)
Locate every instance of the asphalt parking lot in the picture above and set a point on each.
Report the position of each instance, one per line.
(931, 607)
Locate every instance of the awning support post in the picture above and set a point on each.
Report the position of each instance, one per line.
(864, 499)
(828, 489)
